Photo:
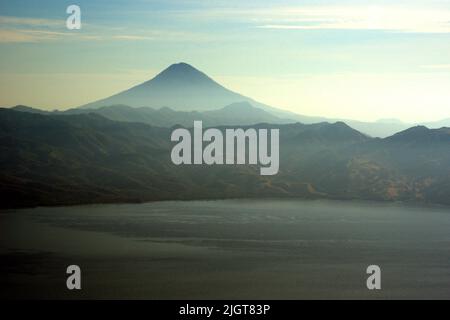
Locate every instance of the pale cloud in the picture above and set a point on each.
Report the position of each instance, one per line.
(35, 35)
(390, 18)
(21, 21)
(17, 36)
(396, 18)
(25, 35)
(437, 66)
(20, 29)
(157, 35)
(132, 37)
(23, 30)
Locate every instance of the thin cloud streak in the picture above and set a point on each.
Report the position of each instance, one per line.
(386, 18)
(31, 30)
(371, 17)
(21, 36)
(21, 21)
(437, 66)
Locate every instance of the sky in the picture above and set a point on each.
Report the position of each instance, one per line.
(363, 60)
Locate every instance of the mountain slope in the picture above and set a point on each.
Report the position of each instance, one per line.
(180, 87)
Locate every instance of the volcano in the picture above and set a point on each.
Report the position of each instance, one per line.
(180, 87)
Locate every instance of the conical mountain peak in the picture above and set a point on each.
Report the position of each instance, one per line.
(182, 73)
(180, 87)
(181, 67)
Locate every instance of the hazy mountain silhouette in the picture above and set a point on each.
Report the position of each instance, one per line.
(241, 113)
(437, 124)
(180, 87)
(183, 88)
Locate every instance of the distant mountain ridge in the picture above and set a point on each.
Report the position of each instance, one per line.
(241, 113)
(60, 159)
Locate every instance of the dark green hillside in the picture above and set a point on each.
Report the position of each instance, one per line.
(54, 159)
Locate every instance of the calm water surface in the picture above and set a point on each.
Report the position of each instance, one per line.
(231, 249)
